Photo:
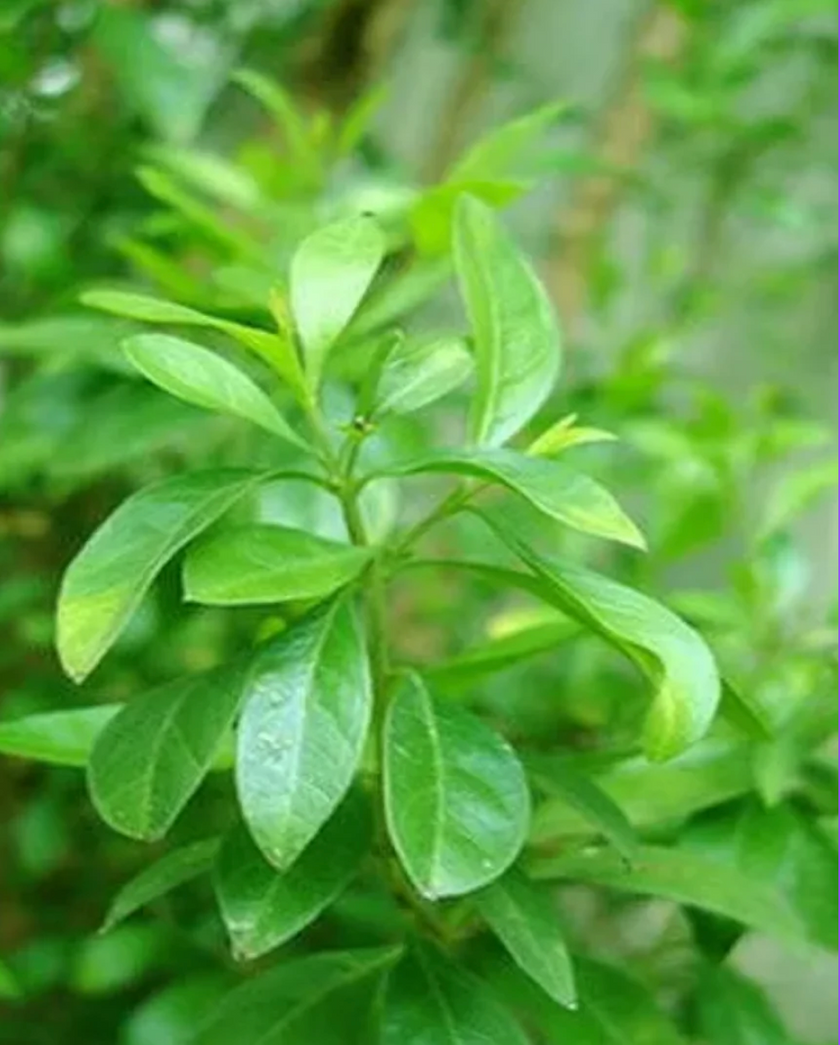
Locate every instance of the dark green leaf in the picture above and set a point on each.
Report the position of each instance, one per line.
(330, 273)
(431, 1001)
(261, 563)
(526, 920)
(105, 583)
(422, 370)
(685, 878)
(306, 1001)
(198, 376)
(456, 800)
(262, 907)
(173, 869)
(302, 730)
(59, 738)
(148, 761)
(517, 344)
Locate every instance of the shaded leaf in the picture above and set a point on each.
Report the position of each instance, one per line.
(262, 907)
(456, 801)
(59, 738)
(302, 730)
(733, 1011)
(259, 563)
(501, 653)
(106, 581)
(420, 371)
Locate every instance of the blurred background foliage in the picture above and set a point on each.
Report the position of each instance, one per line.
(671, 168)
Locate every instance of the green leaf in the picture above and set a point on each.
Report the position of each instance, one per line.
(59, 738)
(330, 273)
(8, 984)
(733, 1011)
(560, 778)
(105, 583)
(302, 730)
(551, 487)
(504, 152)
(429, 1000)
(685, 878)
(262, 907)
(300, 1002)
(275, 350)
(456, 801)
(151, 758)
(526, 920)
(565, 434)
(517, 343)
(259, 563)
(173, 869)
(433, 213)
(198, 376)
(290, 121)
(671, 653)
(420, 371)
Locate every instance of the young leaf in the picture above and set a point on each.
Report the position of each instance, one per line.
(420, 371)
(685, 878)
(175, 868)
(302, 730)
(261, 563)
(263, 908)
(733, 1011)
(526, 920)
(517, 344)
(305, 1001)
(59, 738)
(330, 273)
(456, 801)
(671, 653)
(501, 653)
(551, 487)
(277, 351)
(503, 154)
(198, 376)
(560, 778)
(105, 583)
(564, 435)
(149, 761)
(431, 1001)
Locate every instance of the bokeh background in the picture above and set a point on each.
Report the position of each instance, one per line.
(681, 207)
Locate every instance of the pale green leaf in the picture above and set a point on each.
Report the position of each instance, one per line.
(527, 921)
(302, 730)
(456, 801)
(203, 378)
(170, 871)
(151, 758)
(429, 1000)
(517, 343)
(564, 435)
(432, 215)
(262, 907)
(106, 581)
(420, 371)
(313, 1000)
(330, 274)
(259, 563)
(507, 152)
(59, 738)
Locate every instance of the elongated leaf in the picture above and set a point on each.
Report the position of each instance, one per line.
(418, 372)
(431, 1001)
(551, 487)
(59, 738)
(8, 983)
(277, 351)
(505, 152)
(564, 435)
(330, 273)
(175, 868)
(527, 922)
(503, 652)
(261, 563)
(685, 878)
(302, 730)
(148, 761)
(301, 1002)
(733, 1011)
(198, 376)
(262, 907)
(456, 800)
(671, 653)
(517, 344)
(105, 583)
(560, 778)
